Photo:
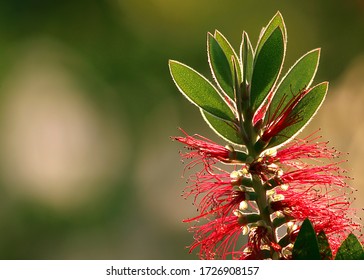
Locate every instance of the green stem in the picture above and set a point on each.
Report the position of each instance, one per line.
(250, 136)
(263, 206)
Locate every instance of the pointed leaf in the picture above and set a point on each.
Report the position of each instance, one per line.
(276, 21)
(224, 129)
(305, 246)
(350, 249)
(247, 58)
(220, 67)
(267, 66)
(298, 78)
(306, 109)
(237, 91)
(228, 50)
(324, 246)
(197, 89)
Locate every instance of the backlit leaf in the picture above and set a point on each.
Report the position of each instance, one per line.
(276, 21)
(267, 66)
(324, 246)
(299, 77)
(306, 246)
(220, 67)
(247, 57)
(199, 90)
(350, 249)
(228, 50)
(223, 128)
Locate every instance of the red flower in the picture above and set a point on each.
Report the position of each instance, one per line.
(317, 190)
(302, 180)
(328, 213)
(203, 149)
(217, 191)
(223, 198)
(218, 238)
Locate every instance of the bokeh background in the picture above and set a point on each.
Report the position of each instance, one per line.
(87, 105)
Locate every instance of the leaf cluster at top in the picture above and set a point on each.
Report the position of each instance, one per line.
(249, 84)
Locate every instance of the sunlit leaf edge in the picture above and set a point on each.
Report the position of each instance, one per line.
(258, 100)
(221, 39)
(350, 242)
(227, 114)
(289, 73)
(306, 245)
(276, 21)
(247, 74)
(234, 138)
(220, 66)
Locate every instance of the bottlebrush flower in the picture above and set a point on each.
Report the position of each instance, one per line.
(253, 199)
(219, 238)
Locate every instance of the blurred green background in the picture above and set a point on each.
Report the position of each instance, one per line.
(87, 105)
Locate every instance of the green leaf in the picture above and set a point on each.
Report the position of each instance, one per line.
(350, 249)
(324, 246)
(267, 66)
(306, 108)
(306, 246)
(299, 77)
(220, 67)
(247, 58)
(276, 21)
(197, 89)
(228, 50)
(224, 129)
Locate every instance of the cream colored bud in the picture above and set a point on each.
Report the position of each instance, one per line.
(237, 213)
(245, 230)
(271, 192)
(279, 172)
(264, 247)
(278, 197)
(271, 152)
(243, 205)
(279, 214)
(235, 175)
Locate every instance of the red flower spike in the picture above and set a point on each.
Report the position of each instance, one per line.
(254, 208)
